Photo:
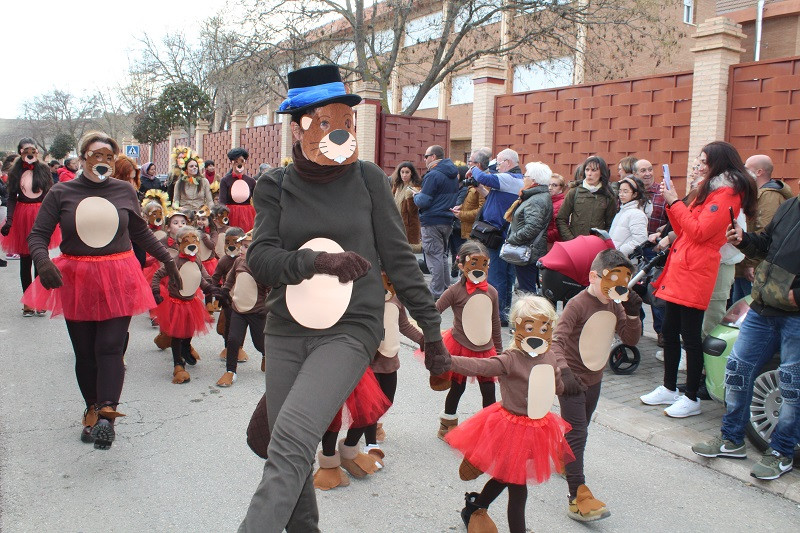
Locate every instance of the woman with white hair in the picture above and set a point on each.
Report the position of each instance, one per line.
(529, 216)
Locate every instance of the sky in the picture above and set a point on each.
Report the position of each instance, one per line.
(78, 46)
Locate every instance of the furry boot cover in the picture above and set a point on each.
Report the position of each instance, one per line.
(467, 471)
(380, 435)
(586, 508)
(439, 383)
(358, 464)
(374, 451)
(223, 355)
(163, 341)
(179, 375)
(446, 423)
(329, 475)
(480, 522)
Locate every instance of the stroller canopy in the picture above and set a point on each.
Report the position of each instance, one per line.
(574, 258)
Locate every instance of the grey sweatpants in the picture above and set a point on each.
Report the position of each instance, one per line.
(434, 244)
(308, 379)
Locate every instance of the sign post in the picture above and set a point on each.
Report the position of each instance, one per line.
(132, 151)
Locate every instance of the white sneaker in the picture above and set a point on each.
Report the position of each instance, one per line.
(681, 364)
(660, 396)
(683, 407)
(660, 355)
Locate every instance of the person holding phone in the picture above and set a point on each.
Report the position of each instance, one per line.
(689, 277)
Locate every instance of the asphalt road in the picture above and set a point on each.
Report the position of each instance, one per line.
(181, 462)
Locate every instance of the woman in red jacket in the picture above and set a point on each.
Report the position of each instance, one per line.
(557, 193)
(691, 269)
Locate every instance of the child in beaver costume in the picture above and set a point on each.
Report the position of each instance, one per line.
(581, 340)
(324, 323)
(236, 191)
(231, 250)
(518, 440)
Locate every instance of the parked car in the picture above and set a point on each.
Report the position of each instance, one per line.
(767, 397)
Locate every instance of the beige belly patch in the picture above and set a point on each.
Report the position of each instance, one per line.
(190, 276)
(96, 221)
(477, 319)
(26, 185)
(319, 302)
(159, 234)
(245, 293)
(203, 252)
(240, 191)
(390, 344)
(541, 390)
(220, 247)
(595, 341)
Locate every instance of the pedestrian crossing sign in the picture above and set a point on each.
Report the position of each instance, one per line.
(132, 151)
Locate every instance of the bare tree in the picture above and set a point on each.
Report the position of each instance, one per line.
(57, 111)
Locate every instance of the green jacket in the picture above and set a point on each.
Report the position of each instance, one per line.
(583, 210)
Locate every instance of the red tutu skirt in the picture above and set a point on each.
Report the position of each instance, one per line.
(512, 448)
(242, 216)
(210, 265)
(456, 349)
(151, 266)
(183, 319)
(95, 288)
(16, 242)
(365, 405)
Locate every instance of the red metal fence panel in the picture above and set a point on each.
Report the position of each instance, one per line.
(161, 157)
(215, 147)
(405, 138)
(264, 145)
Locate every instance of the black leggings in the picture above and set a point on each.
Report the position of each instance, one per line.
(517, 497)
(181, 350)
(98, 358)
(457, 389)
(686, 322)
(388, 383)
(25, 267)
(237, 328)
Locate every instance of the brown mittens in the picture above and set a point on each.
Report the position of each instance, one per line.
(347, 266)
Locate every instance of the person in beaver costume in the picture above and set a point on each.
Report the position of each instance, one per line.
(236, 191)
(325, 309)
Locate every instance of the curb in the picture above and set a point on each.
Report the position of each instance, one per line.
(678, 440)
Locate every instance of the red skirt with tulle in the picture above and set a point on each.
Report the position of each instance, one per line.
(16, 242)
(210, 265)
(94, 288)
(151, 266)
(513, 448)
(183, 319)
(365, 405)
(455, 348)
(241, 216)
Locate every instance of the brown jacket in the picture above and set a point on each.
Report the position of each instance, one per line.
(770, 196)
(469, 211)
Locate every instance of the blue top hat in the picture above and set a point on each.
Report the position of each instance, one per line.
(316, 87)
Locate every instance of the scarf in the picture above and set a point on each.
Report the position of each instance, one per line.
(210, 176)
(472, 287)
(591, 188)
(314, 173)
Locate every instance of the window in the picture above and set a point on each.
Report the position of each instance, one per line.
(423, 29)
(462, 90)
(384, 40)
(544, 74)
(480, 9)
(390, 100)
(688, 11)
(344, 53)
(429, 101)
(261, 120)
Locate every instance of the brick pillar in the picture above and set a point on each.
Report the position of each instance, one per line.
(717, 47)
(200, 129)
(286, 136)
(489, 79)
(174, 135)
(367, 116)
(238, 121)
(397, 93)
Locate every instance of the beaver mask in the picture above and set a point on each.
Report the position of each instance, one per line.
(233, 246)
(388, 287)
(222, 218)
(155, 218)
(614, 284)
(99, 163)
(475, 267)
(329, 135)
(533, 335)
(29, 154)
(189, 244)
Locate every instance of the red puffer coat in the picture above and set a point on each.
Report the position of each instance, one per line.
(693, 262)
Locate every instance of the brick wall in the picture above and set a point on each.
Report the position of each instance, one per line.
(264, 145)
(404, 138)
(647, 117)
(161, 157)
(764, 114)
(215, 147)
(144, 154)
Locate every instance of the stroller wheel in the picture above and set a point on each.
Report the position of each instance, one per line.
(624, 359)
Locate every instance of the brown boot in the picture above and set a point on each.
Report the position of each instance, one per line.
(480, 522)
(227, 379)
(223, 355)
(103, 430)
(89, 420)
(263, 363)
(242, 356)
(446, 423)
(467, 471)
(585, 507)
(194, 355)
(380, 435)
(330, 475)
(374, 451)
(162, 340)
(358, 464)
(179, 375)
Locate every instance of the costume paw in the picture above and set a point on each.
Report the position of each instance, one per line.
(263, 363)
(194, 353)
(586, 508)
(179, 375)
(446, 423)
(358, 464)
(227, 379)
(329, 475)
(440, 383)
(380, 435)
(467, 471)
(480, 522)
(242, 356)
(162, 340)
(223, 355)
(374, 451)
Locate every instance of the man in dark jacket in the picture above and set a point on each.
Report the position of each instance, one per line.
(772, 324)
(438, 195)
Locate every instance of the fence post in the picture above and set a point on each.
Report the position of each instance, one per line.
(174, 135)
(367, 120)
(238, 121)
(718, 46)
(489, 80)
(200, 129)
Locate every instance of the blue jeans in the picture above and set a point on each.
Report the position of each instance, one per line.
(501, 277)
(741, 287)
(527, 278)
(759, 339)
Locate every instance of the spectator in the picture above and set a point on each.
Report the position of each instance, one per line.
(656, 220)
(149, 179)
(7, 162)
(629, 227)
(466, 211)
(262, 168)
(592, 204)
(209, 170)
(405, 181)
(456, 240)
(556, 188)
(54, 166)
(771, 325)
(771, 194)
(529, 217)
(437, 197)
(687, 282)
(626, 166)
(67, 172)
(503, 189)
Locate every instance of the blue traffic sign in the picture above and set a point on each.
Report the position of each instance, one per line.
(132, 151)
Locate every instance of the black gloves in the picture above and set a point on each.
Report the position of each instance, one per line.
(157, 296)
(49, 274)
(347, 266)
(224, 296)
(572, 384)
(175, 281)
(6, 228)
(633, 305)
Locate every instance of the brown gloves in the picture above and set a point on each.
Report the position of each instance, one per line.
(633, 305)
(437, 358)
(347, 266)
(49, 275)
(258, 429)
(572, 385)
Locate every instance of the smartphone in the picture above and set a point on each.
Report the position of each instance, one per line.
(667, 181)
(733, 218)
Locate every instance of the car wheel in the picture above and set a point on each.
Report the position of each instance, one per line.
(764, 409)
(624, 359)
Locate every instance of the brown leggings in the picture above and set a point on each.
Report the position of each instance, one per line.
(577, 410)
